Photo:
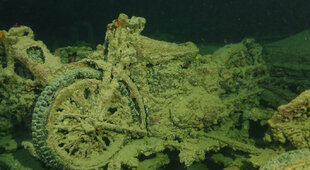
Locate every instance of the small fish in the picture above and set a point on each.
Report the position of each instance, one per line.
(16, 25)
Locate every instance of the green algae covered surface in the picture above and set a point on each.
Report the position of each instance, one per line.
(140, 103)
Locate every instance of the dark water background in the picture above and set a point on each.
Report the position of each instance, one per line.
(61, 22)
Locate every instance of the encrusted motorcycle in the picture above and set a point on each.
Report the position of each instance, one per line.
(134, 100)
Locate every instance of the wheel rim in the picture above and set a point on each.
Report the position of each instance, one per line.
(79, 123)
(71, 126)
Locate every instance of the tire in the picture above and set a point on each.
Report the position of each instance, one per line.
(70, 124)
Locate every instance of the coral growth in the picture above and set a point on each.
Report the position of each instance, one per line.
(140, 103)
